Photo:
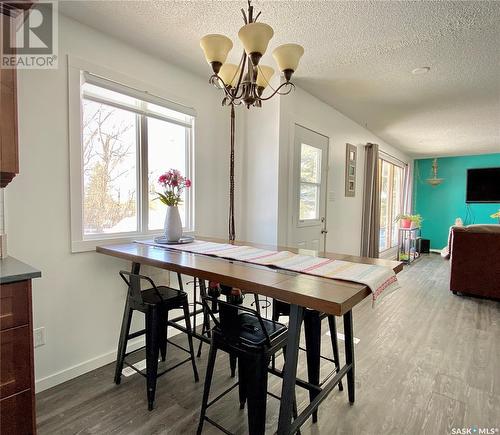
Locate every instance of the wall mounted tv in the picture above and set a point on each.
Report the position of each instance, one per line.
(483, 185)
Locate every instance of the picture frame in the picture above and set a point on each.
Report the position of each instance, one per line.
(351, 156)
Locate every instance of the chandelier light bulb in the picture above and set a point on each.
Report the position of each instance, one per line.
(229, 74)
(255, 38)
(264, 75)
(287, 57)
(216, 48)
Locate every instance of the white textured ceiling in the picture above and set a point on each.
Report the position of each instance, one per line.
(358, 58)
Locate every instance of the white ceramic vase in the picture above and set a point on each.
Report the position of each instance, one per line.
(173, 224)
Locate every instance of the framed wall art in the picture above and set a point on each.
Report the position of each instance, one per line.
(351, 156)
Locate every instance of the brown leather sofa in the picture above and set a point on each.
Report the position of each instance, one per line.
(475, 260)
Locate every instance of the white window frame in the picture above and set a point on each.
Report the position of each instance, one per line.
(79, 72)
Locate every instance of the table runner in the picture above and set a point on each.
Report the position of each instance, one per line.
(381, 280)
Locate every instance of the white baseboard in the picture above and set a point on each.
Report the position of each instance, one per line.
(82, 368)
(94, 363)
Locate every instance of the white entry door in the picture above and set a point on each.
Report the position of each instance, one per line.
(307, 228)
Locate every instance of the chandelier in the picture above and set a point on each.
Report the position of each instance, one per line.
(245, 83)
(434, 180)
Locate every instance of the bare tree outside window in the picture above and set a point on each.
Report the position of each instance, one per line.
(109, 169)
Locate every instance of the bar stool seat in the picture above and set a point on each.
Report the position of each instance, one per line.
(169, 297)
(250, 331)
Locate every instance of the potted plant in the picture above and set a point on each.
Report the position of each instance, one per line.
(407, 221)
(173, 184)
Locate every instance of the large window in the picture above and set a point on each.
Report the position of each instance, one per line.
(128, 138)
(391, 202)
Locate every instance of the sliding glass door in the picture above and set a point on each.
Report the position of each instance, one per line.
(391, 202)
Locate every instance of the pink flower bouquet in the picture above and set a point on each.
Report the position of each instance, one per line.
(173, 184)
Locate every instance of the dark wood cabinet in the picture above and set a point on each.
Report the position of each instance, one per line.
(13, 414)
(17, 383)
(9, 155)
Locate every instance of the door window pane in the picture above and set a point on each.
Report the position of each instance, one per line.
(109, 156)
(309, 201)
(391, 203)
(310, 182)
(310, 164)
(166, 150)
(397, 202)
(384, 205)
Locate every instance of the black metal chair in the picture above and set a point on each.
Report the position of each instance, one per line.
(243, 334)
(312, 334)
(155, 303)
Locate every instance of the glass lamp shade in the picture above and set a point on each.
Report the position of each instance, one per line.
(216, 48)
(264, 75)
(287, 56)
(229, 74)
(255, 37)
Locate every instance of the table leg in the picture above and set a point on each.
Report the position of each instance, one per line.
(349, 354)
(312, 333)
(290, 369)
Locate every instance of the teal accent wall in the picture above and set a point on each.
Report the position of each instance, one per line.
(441, 205)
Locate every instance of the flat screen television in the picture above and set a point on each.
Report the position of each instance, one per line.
(483, 185)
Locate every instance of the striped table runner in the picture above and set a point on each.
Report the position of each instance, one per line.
(380, 280)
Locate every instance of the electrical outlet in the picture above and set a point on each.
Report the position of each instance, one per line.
(39, 336)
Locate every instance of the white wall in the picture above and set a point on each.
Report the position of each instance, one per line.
(343, 214)
(260, 181)
(79, 299)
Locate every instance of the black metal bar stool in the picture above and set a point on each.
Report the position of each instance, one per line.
(312, 334)
(155, 303)
(244, 334)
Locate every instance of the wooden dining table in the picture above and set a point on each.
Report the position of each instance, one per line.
(300, 290)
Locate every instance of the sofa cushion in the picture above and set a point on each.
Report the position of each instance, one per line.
(480, 228)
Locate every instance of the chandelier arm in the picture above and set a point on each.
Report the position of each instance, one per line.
(215, 79)
(277, 91)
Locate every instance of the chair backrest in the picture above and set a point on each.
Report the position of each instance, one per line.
(229, 312)
(133, 282)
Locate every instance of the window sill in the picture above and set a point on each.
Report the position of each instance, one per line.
(90, 245)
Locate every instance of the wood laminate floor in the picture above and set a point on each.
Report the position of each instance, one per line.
(427, 362)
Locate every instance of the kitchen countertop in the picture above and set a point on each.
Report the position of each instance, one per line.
(12, 270)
